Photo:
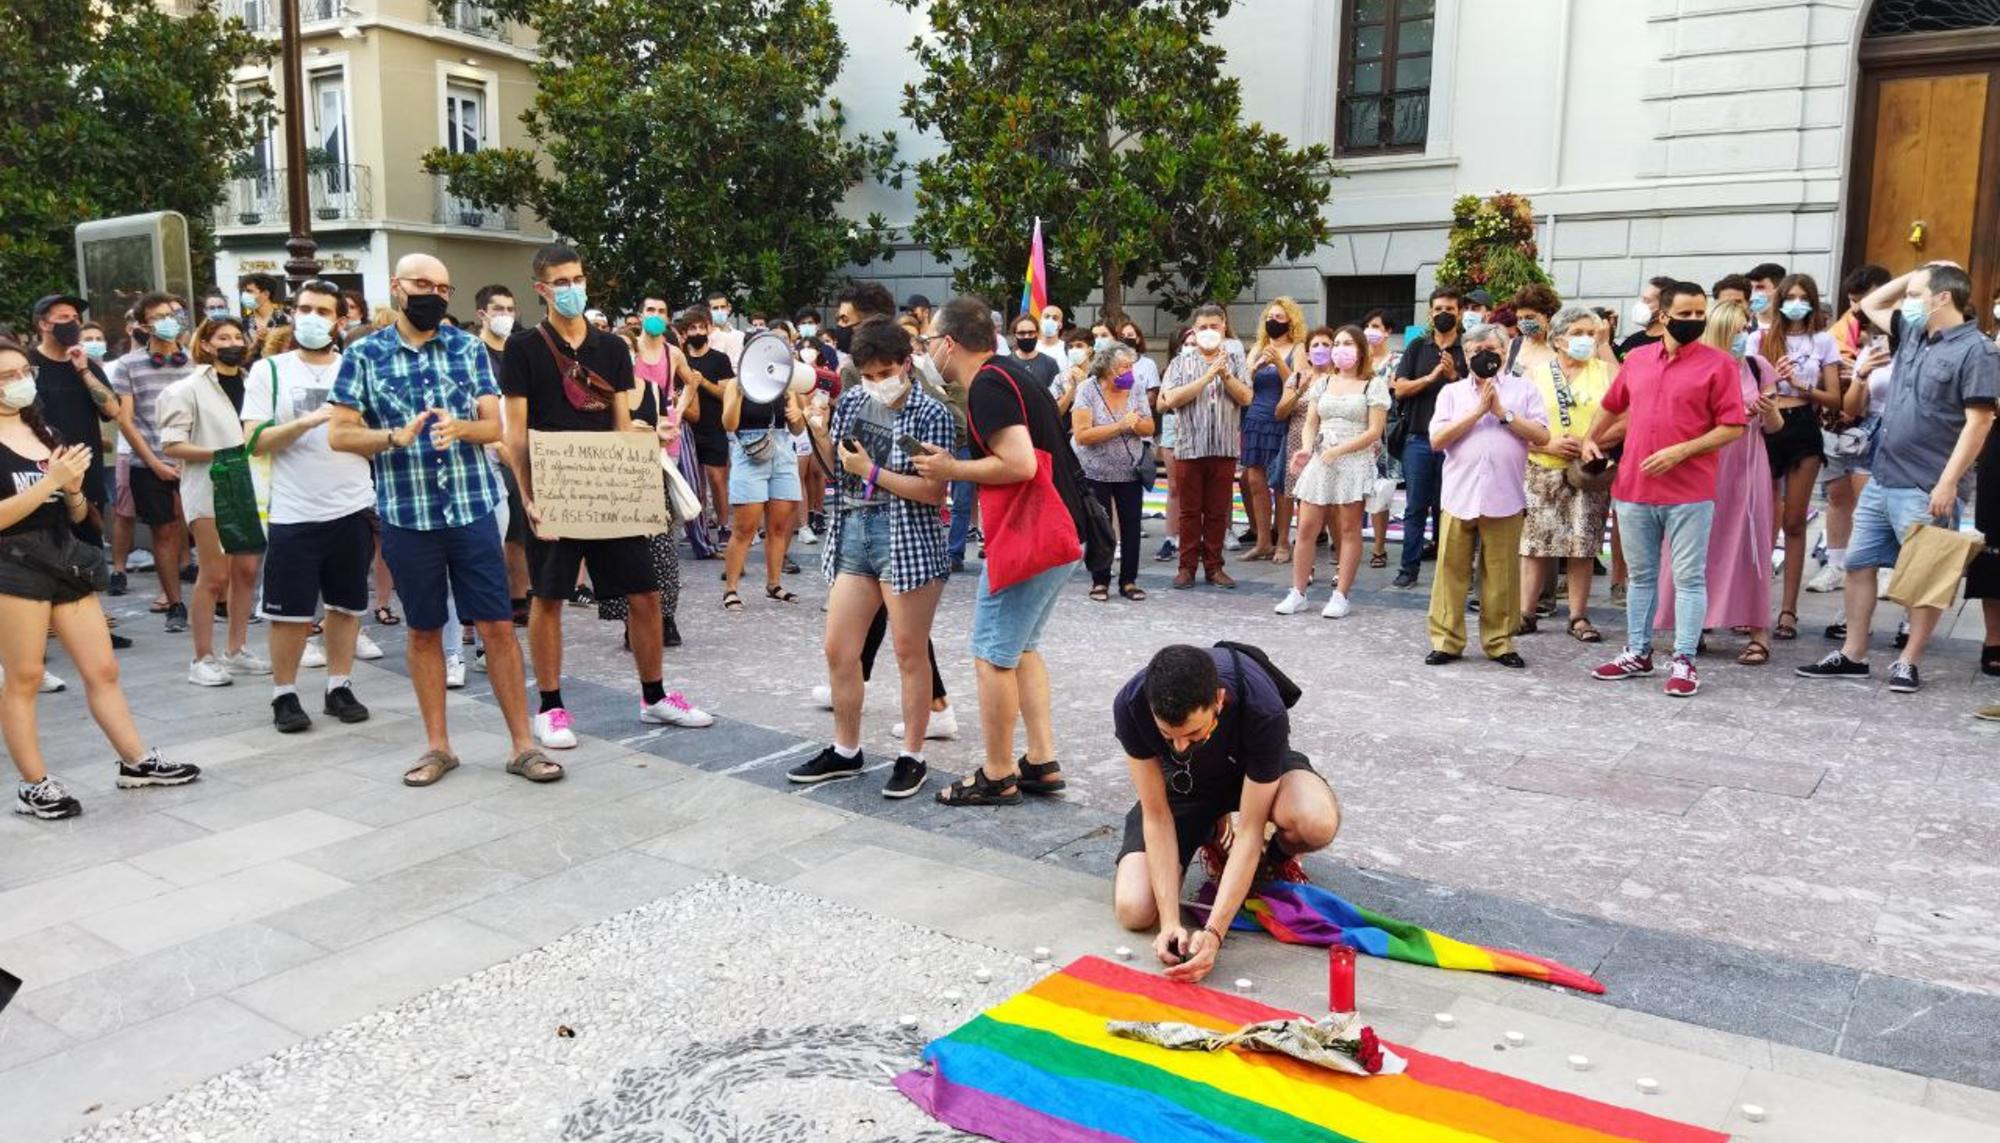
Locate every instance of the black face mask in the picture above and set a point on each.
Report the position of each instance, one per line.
(1686, 331)
(1026, 344)
(843, 336)
(67, 333)
(235, 355)
(697, 342)
(1485, 363)
(425, 311)
(1131, 341)
(1274, 329)
(1445, 322)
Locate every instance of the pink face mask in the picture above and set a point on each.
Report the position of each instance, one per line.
(1344, 356)
(1375, 336)
(1320, 355)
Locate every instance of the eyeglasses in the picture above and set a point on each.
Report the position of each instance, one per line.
(426, 286)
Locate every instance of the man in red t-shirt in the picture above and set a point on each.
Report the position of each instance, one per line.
(1674, 403)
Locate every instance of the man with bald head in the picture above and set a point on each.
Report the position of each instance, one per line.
(419, 399)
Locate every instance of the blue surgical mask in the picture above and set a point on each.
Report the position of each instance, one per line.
(94, 350)
(1051, 327)
(1740, 344)
(312, 331)
(1104, 343)
(1795, 309)
(808, 329)
(718, 317)
(654, 325)
(569, 301)
(217, 313)
(1581, 347)
(1916, 312)
(248, 300)
(167, 328)
(1759, 302)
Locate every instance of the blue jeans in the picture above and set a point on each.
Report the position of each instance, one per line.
(1684, 528)
(1423, 474)
(962, 494)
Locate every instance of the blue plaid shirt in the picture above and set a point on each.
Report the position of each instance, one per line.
(916, 532)
(389, 382)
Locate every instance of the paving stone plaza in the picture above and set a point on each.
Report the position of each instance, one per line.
(1788, 887)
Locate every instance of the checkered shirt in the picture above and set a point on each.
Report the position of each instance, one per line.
(916, 531)
(389, 382)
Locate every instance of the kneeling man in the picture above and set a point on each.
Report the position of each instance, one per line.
(1206, 732)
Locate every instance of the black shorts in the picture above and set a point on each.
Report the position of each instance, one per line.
(712, 449)
(154, 501)
(1194, 817)
(517, 512)
(618, 567)
(324, 560)
(1797, 441)
(51, 566)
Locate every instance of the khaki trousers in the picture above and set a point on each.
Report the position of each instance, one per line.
(1498, 540)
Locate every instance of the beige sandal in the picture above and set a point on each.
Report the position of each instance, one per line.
(535, 766)
(435, 764)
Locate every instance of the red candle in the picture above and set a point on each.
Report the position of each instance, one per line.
(1340, 979)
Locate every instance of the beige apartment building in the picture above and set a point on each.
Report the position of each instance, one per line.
(385, 81)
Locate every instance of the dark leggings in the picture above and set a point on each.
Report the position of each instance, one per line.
(1122, 500)
(877, 631)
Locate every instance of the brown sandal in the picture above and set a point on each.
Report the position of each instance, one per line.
(1754, 655)
(434, 765)
(535, 766)
(1583, 630)
(976, 789)
(1379, 560)
(1135, 593)
(1282, 556)
(1784, 630)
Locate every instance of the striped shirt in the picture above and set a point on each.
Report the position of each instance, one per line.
(134, 375)
(1211, 425)
(389, 382)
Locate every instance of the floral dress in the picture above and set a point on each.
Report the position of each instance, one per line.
(1342, 417)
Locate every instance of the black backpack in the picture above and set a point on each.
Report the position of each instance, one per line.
(1288, 691)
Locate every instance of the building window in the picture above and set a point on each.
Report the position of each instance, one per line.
(464, 119)
(1912, 17)
(1350, 298)
(1385, 75)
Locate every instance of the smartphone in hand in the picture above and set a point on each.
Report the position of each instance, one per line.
(911, 446)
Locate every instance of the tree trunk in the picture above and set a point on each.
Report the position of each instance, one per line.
(1114, 290)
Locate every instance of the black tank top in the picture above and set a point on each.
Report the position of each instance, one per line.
(20, 474)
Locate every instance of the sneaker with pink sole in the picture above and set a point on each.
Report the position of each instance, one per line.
(674, 710)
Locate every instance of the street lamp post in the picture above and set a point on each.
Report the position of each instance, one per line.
(303, 264)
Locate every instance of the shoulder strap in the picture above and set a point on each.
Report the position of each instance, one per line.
(1015, 385)
(271, 366)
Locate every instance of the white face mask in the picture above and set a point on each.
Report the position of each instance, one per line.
(18, 394)
(1077, 355)
(1208, 340)
(1641, 315)
(312, 331)
(887, 391)
(500, 325)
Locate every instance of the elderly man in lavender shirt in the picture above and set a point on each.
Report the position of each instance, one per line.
(1484, 425)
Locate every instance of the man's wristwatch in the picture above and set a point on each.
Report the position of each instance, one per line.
(1507, 416)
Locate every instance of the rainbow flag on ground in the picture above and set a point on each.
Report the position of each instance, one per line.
(1035, 284)
(1302, 914)
(1041, 1068)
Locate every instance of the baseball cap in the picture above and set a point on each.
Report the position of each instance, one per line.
(1480, 297)
(916, 301)
(43, 305)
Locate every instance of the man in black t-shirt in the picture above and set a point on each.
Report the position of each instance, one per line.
(1425, 369)
(1010, 418)
(711, 440)
(565, 376)
(1205, 733)
(75, 396)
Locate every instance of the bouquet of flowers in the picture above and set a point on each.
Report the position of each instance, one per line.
(1338, 1041)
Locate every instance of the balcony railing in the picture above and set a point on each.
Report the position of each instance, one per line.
(472, 19)
(455, 211)
(262, 15)
(340, 192)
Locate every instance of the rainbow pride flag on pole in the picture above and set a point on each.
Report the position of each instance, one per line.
(1035, 284)
(1302, 914)
(1041, 1068)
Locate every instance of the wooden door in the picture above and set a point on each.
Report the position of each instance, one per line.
(1923, 195)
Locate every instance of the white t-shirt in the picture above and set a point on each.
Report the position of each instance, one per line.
(310, 482)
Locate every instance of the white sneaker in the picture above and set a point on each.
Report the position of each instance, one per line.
(674, 710)
(364, 647)
(246, 662)
(1830, 578)
(479, 660)
(209, 672)
(140, 560)
(942, 726)
(454, 672)
(807, 536)
(314, 654)
(51, 684)
(823, 697)
(552, 730)
(1293, 603)
(1336, 606)
(1232, 544)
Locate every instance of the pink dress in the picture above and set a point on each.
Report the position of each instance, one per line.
(1741, 540)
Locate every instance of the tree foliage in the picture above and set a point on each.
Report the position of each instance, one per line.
(1492, 244)
(110, 107)
(687, 146)
(1114, 123)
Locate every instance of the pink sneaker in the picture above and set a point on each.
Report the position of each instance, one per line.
(1629, 665)
(552, 729)
(1683, 683)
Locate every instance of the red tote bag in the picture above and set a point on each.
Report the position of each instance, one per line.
(1027, 526)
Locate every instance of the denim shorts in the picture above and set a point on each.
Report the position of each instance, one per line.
(1882, 518)
(864, 543)
(1007, 624)
(776, 477)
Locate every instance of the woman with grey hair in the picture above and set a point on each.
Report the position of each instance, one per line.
(1566, 511)
(1110, 422)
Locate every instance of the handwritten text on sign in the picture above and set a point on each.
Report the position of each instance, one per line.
(597, 486)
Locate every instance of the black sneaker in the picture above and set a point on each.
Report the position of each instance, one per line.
(190, 572)
(1837, 631)
(119, 584)
(1903, 678)
(153, 770)
(907, 778)
(791, 566)
(1902, 639)
(341, 704)
(957, 565)
(825, 766)
(119, 642)
(1404, 579)
(670, 633)
(288, 716)
(177, 618)
(46, 800)
(1835, 665)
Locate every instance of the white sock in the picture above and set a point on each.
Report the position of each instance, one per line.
(846, 751)
(1836, 558)
(282, 689)
(915, 755)
(335, 682)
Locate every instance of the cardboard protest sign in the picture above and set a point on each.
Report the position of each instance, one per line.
(597, 486)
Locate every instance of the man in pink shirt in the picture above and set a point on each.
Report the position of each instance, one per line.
(1483, 424)
(1674, 403)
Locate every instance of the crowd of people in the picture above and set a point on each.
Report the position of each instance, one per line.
(307, 464)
